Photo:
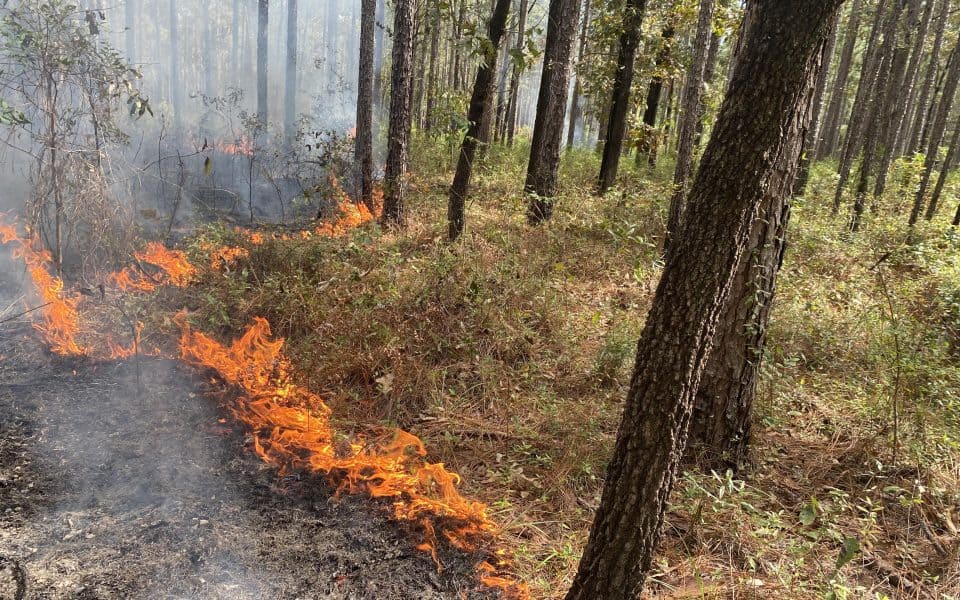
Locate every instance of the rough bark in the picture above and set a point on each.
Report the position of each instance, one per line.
(541, 182)
(622, 82)
(924, 101)
(690, 109)
(401, 82)
(432, 72)
(709, 73)
(480, 105)
(831, 126)
(290, 97)
(937, 131)
(263, 16)
(575, 109)
(363, 149)
(751, 156)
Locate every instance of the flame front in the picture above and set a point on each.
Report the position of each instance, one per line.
(291, 429)
(290, 425)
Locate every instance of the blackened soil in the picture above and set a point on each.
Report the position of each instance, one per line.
(107, 491)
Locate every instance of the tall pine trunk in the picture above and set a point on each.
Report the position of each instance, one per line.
(690, 110)
(768, 104)
(480, 107)
(924, 100)
(654, 92)
(831, 125)
(620, 106)
(398, 139)
(512, 103)
(363, 149)
(544, 163)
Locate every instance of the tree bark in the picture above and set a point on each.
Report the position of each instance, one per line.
(752, 155)
(690, 109)
(831, 126)
(937, 131)
(544, 163)
(401, 83)
(622, 82)
(363, 149)
(263, 16)
(479, 107)
(378, 48)
(909, 97)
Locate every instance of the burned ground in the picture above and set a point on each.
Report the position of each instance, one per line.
(107, 491)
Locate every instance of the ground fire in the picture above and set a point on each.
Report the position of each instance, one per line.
(289, 425)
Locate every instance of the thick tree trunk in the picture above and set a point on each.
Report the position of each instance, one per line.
(541, 182)
(622, 82)
(398, 139)
(290, 98)
(890, 118)
(709, 72)
(363, 150)
(654, 92)
(690, 109)
(831, 126)
(937, 131)
(575, 109)
(767, 104)
(924, 101)
(480, 105)
(432, 73)
(864, 99)
(263, 16)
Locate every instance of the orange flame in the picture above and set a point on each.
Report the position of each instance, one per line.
(60, 321)
(291, 430)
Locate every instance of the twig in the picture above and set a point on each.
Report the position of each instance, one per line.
(26, 312)
(19, 577)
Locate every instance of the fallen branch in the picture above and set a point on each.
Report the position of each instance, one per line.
(26, 312)
(19, 577)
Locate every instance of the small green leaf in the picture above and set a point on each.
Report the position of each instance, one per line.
(809, 514)
(850, 549)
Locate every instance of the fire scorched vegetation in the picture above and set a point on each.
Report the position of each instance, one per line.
(758, 192)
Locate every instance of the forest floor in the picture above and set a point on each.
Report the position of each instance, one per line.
(109, 491)
(509, 353)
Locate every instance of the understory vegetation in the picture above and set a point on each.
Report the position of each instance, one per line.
(510, 353)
